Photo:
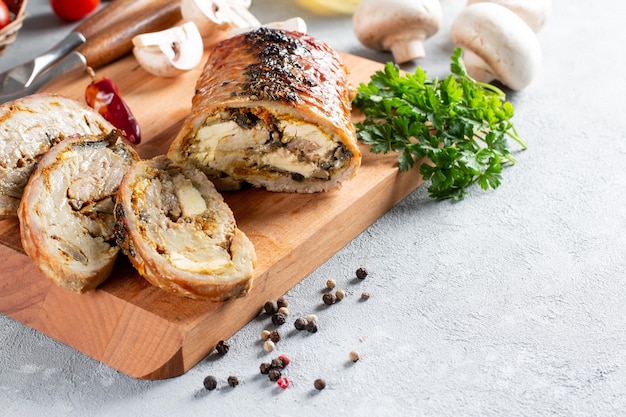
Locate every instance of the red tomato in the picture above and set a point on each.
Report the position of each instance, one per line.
(5, 16)
(72, 10)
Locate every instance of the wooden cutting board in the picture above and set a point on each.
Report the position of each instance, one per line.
(146, 333)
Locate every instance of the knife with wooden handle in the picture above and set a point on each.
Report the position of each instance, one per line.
(109, 33)
(99, 39)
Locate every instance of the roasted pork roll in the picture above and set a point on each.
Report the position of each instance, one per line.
(66, 213)
(28, 128)
(272, 109)
(180, 234)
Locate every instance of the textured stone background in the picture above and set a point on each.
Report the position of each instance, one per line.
(509, 303)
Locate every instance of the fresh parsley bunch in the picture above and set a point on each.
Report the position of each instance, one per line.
(459, 125)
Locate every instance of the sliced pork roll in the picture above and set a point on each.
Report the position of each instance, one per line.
(28, 128)
(66, 212)
(272, 109)
(180, 234)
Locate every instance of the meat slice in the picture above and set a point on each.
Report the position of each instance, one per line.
(180, 234)
(66, 212)
(272, 109)
(28, 128)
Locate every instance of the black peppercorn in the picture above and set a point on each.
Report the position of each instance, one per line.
(277, 364)
(282, 302)
(210, 383)
(311, 327)
(222, 347)
(329, 298)
(271, 307)
(278, 319)
(361, 273)
(233, 381)
(265, 368)
(274, 336)
(319, 384)
(274, 374)
(300, 323)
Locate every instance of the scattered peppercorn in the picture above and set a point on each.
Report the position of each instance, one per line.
(311, 317)
(265, 368)
(210, 383)
(339, 295)
(300, 323)
(282, 302)
(329, 298)
(265, 334)
(277, 364)
(285, 360)
(284, 311)
(283, 382)
(268, 346)
(354, 356)
(222, 347)
(311, 327)
(278, 319)
(271, 307)
(319, 384)
(233, 381)
(274, 374)
(274, 336)
(365, 296)
(331, 283)
(361, 273)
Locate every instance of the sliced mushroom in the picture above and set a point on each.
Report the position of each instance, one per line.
(399, 26)
(534, 12)
(497, 44)
(216, 18)
(169, 52)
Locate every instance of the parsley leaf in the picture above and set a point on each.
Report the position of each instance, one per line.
(461, 126)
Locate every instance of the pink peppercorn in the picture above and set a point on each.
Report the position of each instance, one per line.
(283, 382)
(285, 360)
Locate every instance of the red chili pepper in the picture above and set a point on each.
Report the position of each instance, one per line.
(104, 96)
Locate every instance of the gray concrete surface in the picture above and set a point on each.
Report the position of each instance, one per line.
(509, 303)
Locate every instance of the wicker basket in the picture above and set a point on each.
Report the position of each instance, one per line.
(9, 32)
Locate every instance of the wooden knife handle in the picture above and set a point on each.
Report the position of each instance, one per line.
(115, 39)
(115, 11)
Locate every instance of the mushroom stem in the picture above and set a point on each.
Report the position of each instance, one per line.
(477, 68)
(407, 49)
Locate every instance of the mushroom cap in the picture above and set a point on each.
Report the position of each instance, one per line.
(381, 25)
(534, 12)
(503, 41)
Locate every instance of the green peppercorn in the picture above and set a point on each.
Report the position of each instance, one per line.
(268, 346)
(339, 295)
(274, 336)
(265, 334)
(361, 273)
(233, 381)
(354, 356)
(210, 383)
(284, 311)
(331, 283)
(329, 298)
(278, 319)
(222, 347)
(300, 323)
(271, 307)
(319, 384)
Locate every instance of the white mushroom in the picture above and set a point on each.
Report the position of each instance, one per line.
(534, 12)
(216, 18)
(399, 26)
(497, 44)
(169, 52)
(295, 24)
